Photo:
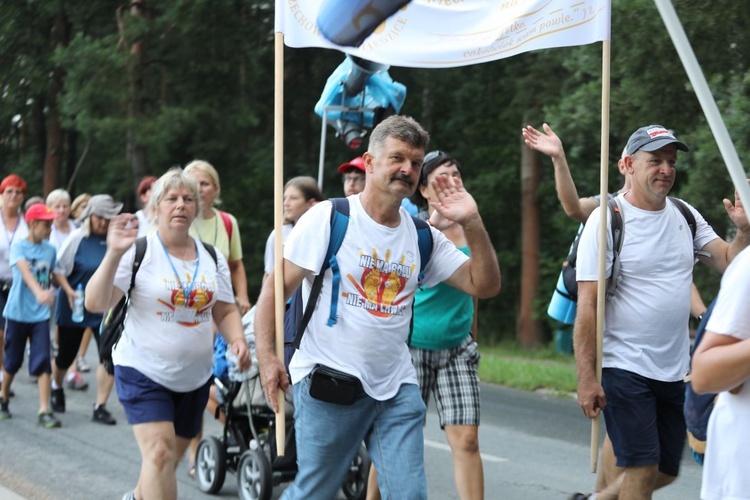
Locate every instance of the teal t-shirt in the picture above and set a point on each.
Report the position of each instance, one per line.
(22, 304)
(442, 316)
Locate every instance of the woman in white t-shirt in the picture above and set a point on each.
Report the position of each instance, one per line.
(721, 364)
(163, 359)
(300, 195)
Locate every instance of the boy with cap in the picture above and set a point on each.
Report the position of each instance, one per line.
(646, 344)
(353, 176)
(28, 310)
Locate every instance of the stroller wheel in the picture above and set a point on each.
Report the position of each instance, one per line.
(210, 465)
(355, 484)
(254, 476)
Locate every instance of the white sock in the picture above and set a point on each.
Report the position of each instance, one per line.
(54, 385)
(592, 496)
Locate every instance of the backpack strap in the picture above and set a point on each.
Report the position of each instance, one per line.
(425, 244)
(140, 250)
(339, 225)
(686, 212)
(227, 225)
(211, 251)
(616, 223)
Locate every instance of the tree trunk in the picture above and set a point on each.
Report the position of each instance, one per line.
(528, 328)
(134, 149)
(54, 151)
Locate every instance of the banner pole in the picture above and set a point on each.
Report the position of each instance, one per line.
(706, 99)
(278, 221)
(603, 226)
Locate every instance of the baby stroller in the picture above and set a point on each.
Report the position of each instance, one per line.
(247, 446)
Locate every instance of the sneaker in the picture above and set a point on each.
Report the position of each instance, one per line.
(130, 495)
(102, 416)
(4, 411)
(83, 367)
(57, 400)
(75, 382)
(47, 419)
(578, 496)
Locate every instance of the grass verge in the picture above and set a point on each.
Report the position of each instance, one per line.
(512, 366)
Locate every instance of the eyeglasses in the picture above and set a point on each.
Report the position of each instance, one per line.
(354, 178)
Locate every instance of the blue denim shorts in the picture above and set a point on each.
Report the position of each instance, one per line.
(644, 420)
(146, 401)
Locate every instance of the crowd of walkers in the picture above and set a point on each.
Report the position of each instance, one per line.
(392, 324)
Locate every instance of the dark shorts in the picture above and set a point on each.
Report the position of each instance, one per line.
(69, 343)
(16, 335)
(146, 401)
(644, 420)
(4, 291)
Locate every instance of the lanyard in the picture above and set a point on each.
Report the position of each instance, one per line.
(185, 292)
(13, 234)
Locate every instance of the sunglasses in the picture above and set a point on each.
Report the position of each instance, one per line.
(431, 156)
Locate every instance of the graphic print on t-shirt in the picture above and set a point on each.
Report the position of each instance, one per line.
(381, 284)
(200, 299)
(41, 271)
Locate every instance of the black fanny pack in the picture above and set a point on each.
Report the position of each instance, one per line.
(333, 386)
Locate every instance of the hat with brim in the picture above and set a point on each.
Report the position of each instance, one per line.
(102, 205)
(652, 138)
(357, 163)
(39, 211)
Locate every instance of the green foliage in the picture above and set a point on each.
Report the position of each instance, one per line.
(194, 79)
(507, 364)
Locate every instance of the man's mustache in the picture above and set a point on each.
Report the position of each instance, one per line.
(402, 177)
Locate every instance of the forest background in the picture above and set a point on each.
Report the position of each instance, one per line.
(96, 94)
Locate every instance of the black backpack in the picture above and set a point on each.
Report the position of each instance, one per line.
(569, 266)
(112, 324)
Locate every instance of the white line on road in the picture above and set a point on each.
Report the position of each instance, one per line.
(445, 447)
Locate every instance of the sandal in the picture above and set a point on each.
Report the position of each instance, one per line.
(191, 470)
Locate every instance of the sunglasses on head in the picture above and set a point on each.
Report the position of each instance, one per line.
(431, 156)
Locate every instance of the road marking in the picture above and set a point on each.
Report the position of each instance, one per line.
(445, 447)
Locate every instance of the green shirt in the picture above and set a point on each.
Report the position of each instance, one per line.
(442, 316)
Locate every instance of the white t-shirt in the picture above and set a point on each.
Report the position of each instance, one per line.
(19, 232)
(178, 356)
(379, 273)
(725, 466)
(646, 322)
(268, 255)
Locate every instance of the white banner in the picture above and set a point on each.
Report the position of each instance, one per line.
(449, 33)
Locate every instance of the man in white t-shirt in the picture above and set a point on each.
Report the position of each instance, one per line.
(379, 262)
(646, 343)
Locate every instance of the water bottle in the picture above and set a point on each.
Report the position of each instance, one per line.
(77, 316)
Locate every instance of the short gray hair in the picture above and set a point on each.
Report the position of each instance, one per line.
(403, 128)
(175, 178)
(56, 196)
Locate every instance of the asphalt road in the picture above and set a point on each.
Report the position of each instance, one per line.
(534, 447)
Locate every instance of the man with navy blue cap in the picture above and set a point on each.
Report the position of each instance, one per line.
(646, 342)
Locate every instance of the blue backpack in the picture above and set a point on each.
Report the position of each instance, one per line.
(296, 319)
(698, 407)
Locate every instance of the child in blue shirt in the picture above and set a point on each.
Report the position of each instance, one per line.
(27, 311)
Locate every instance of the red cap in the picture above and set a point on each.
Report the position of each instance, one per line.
(40, 211)
(357, 163)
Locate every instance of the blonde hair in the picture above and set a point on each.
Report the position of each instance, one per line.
(175, 178)
(206, 168)
(75, 207)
